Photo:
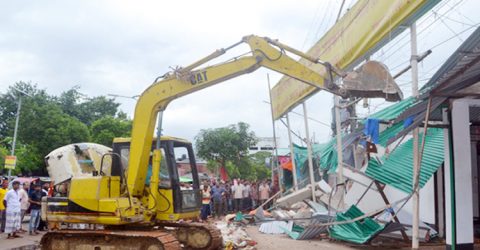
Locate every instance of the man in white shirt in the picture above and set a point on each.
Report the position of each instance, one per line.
(237, 190)
(23, 193)
(264, 191)
(12, 203)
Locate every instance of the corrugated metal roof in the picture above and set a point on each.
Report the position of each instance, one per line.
(389, 133)
(397, 170)
(313, 229)
(457, 62)
(391, 112)
(325, 152)
(359, 231)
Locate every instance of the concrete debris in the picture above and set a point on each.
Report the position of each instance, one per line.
(281, 214)
(297, 196)
(324, 187)
(303, 213)
(318, 208)
(235, 236)
(299, 205)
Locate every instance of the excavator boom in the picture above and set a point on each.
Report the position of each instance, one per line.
(265, 52)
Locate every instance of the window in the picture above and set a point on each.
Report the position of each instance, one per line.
(164, 175)
(266, 148)
(184, 167)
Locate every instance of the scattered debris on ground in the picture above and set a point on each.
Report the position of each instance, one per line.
(235, 236)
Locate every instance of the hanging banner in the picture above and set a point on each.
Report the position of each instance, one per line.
(365, 28)
(10, 161)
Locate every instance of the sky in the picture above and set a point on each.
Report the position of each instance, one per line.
(120, 47)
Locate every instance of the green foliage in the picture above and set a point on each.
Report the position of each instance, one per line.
(48, 122)
(27, 159)
(225, 144)
(3, 152)
(258, 161)
(52, 128)
(106, 128)
(233, 170)
(228, 146)
(91, 109)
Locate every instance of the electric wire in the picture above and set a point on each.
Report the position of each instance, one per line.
(407, 41)
(311, 26)
(323, 21)
(456, 35)
(405, 35)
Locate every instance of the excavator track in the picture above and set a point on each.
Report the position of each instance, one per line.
(196, 236)
(107, 239)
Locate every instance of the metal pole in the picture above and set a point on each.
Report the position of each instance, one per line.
(292, 155)
(17, 118)
(274, 136)
(309, 151)
(338, 125)
(416, 162)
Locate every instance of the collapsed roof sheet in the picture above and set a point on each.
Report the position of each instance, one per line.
(359, 231)
(397, 169)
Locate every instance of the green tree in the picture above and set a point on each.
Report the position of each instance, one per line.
(105, 129)
(9, 101)
(51, 128)
(226, 144)
(3, 152)
(87, 109)
(258, 161)
(48, 122)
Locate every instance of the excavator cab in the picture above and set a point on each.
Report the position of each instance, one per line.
(101, 197)
(180, 197)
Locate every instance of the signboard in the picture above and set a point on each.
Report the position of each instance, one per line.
(365, 28)
(10, 161)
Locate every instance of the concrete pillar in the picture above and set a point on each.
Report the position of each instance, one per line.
(459, 179)
(449, 188)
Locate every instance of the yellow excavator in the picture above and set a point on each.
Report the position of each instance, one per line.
(140, 203)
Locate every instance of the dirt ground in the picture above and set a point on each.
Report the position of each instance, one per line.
(282, 241)
(271, 242)
(264, 242)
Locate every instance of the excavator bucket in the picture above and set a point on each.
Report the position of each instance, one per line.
(372, 80)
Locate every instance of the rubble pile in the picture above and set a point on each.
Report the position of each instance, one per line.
(235, 236)
(295, 221)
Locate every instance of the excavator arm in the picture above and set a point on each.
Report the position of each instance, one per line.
(183, 81)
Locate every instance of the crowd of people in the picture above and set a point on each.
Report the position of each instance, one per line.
(220, 198)
(17, 201)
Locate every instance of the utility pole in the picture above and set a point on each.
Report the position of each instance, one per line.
(17, 118)
(15, 130)
(275, 162)
(416, 162)
(338, 128)
(309, 151)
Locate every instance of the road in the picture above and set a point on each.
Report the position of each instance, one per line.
(24, 243)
